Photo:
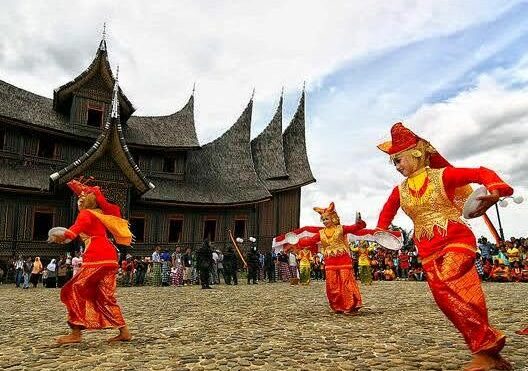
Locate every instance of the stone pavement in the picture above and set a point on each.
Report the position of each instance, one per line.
(265, 326)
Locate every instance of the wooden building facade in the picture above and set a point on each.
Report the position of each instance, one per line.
(173, 190)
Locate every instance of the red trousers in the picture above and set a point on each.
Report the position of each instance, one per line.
(89, 298)
(456, 288)
(342, 290)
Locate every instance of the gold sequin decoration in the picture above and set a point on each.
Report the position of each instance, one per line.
(432, 209)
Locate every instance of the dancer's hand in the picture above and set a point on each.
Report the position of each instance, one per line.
(486, 202)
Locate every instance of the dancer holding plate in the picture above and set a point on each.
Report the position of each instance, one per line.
(90, 295)
(432, 195)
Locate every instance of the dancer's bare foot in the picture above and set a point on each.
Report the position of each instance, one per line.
(124, 335)
(486, 362)
(74, 337)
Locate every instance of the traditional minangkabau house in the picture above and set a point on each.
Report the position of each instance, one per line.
(173, 190)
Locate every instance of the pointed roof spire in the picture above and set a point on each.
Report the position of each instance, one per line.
(115, 98)
(282, 92)
(253, 94)
(194, 89)
(102, 45)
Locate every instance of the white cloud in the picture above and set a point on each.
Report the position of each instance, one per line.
(227, 47)
(486, 125)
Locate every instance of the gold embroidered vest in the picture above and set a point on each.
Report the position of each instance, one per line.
(335, 244)
(431, 209)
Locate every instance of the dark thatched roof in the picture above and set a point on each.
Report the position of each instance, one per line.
(176, 130)
(19, 104)
(100, 66)
(295, 156)
(16, 176)
(112, 141)
(268, 151)
(220, 173)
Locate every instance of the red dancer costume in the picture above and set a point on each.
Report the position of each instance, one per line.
(432, 195)
(89, 295)
(341, 288)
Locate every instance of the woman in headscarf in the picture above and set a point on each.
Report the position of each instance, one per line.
(35, 272)
(51, 282)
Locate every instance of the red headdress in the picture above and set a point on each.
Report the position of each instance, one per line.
(80, 186)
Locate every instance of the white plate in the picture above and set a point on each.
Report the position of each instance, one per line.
(388, 240)
(472, 203)
(57, 231)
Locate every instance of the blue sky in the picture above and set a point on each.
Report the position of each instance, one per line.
(455, 71)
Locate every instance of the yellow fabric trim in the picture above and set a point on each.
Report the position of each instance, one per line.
(118, 227)
(439, 253)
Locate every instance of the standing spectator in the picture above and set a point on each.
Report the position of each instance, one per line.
(292, 264)
(187, 266)
(404, 264)
(269, 266)
(177, 267)
(318, 268)
(141, 270)
(284, 269)
(69, 268)
(230, 266)
(485, 248)
(165, 268)
(156, 267)
(19, 271)
(76, 262)
(27, 267)
(214, 270)
(252, 264)
(478, 265)
(61, 272)
(51, 282)
(36, 272)
(512, 252)
(220, 265)
(204, 262)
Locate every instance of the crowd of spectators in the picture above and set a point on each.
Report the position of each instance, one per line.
(503, 262)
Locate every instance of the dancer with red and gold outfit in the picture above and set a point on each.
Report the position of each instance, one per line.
(432, 195)
(341, 288)
(90, 295)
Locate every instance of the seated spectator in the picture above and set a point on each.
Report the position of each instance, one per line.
(500, 272)
(516, 272)
(418, 273)
(488, 267)
(389, 274)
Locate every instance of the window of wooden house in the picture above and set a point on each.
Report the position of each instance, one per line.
(46, 148)
(168, 165)
(42, 223)
(95, 117)
(179, 164)
(240, 228)
(175, 229)
(137, 226)
(210, 230)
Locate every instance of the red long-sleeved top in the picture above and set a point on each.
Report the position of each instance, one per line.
(457, 233)
(99, 251)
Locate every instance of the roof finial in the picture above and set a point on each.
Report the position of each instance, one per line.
(115, 100)
(304, 86)
(102, 44)
(194, 88)
(253, 94)
(282, 92)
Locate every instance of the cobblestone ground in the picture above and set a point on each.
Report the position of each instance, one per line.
(265, 326)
